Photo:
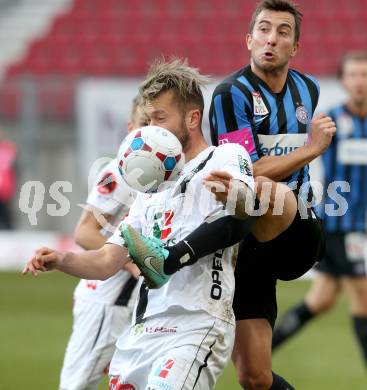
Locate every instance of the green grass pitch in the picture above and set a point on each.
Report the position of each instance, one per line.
(35, 321)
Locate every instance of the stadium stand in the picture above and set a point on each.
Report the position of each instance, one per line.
(119, 38)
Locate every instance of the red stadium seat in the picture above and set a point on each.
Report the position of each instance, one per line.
(10, 100)
(121, 37)
(15, 70)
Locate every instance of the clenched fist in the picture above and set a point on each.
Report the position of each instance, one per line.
(322, 131)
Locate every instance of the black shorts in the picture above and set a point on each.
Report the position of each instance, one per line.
(259, 265)
(336, 261)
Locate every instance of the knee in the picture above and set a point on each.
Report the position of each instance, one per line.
(276, 198)
(255, 379)
(358, 301)
(321, 306)
(358, 308)
(327, 305)
(265, 188)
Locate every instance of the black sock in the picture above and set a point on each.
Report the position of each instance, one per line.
(206, 239)
(280, 383)
(360, 329)
(291, 323)
(179, 254)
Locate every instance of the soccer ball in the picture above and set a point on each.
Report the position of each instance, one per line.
(149, 156)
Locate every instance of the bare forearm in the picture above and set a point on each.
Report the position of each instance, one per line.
(93, 264)
(278, 168)
(89, 239)
(88, 230)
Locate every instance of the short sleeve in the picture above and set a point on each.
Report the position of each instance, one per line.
(235, 160)
(229, 120)
(110, 193)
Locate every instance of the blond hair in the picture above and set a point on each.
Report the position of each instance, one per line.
(177, 76)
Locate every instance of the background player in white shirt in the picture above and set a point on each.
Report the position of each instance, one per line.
(102, 309)
(183, 333)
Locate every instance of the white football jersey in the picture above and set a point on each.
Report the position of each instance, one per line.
(112, 196)
(174, 213)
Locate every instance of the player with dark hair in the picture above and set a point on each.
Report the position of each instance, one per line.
(344, 265)
(267, 108)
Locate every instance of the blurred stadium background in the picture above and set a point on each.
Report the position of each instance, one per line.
(68, 72)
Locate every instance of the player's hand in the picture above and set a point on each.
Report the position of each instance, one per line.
(322, 131)
(133, 269)
(219, 183)
(44, 259)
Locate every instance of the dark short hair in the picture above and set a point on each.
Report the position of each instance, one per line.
(350, 56)
(280, 6)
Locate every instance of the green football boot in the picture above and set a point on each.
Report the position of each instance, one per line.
(148, 253)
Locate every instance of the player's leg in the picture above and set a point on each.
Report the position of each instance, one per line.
(321, 297)
(290, 254)
(255, 310)
(91, 345)
(297, 248)
(117, 320)
(179, 349)
(352, 265)
(229, 230)
(253, 366)
(164, 261)
(281, 208)
(356, 288)
(279, 201)
(74, 372)
(196, 361)
(129, 368)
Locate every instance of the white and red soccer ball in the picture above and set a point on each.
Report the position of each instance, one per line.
(148, 157)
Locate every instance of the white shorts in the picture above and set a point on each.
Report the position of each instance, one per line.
(96, 328)
(175, 350)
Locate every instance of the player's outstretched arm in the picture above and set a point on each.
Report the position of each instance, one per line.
(95, 264)
(88, 234)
